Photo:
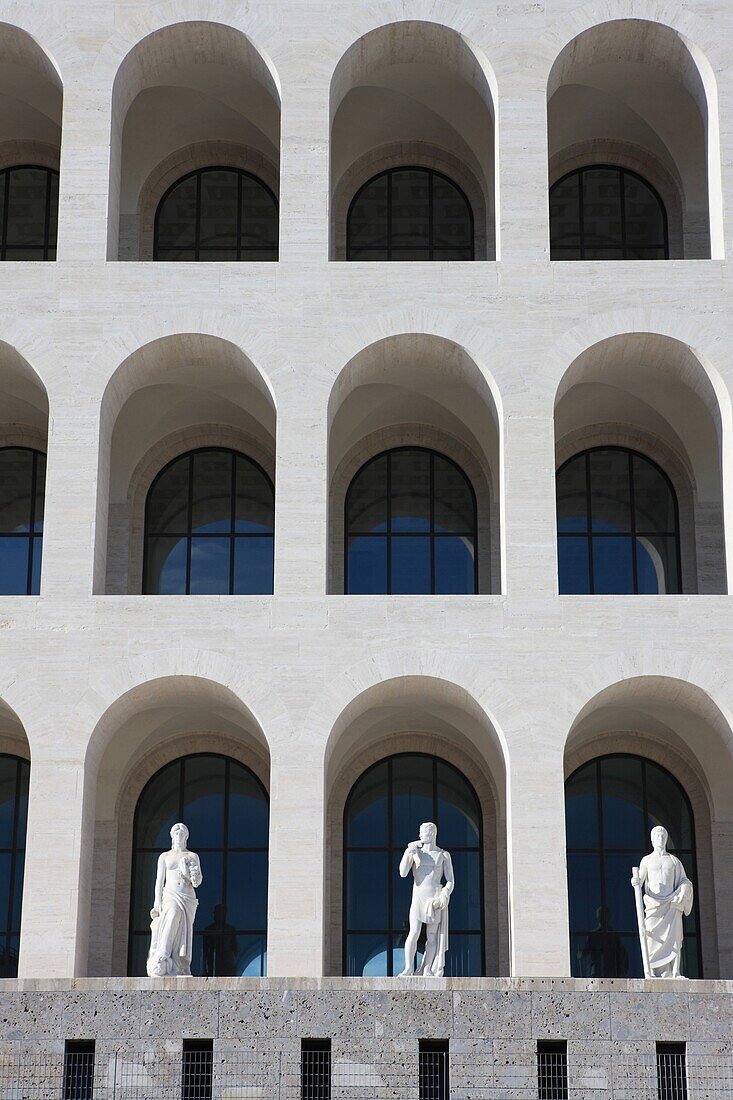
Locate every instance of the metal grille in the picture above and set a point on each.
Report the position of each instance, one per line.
(671, 1071)
(552, 1071)
(433, 1070)
(197, 1070)
(79, 1071)
(315, 1069)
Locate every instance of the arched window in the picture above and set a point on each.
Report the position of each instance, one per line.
(226, 810)
(383, 813)
(410, 526)
(29, 203)
(409, 214)
(14, 774)
(606, 213)
(217, 214)
(22, 488)
(617, 525)
(209, 526)
(611, 805)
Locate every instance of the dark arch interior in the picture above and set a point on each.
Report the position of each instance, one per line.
(611, 805)
(383, 812)
(29, 203)
(226, 809)
(14, 778)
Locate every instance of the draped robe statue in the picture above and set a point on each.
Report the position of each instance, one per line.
(667, 894)
(429, 865)
(174, 909)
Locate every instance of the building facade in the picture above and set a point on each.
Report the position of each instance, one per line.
(365, 459)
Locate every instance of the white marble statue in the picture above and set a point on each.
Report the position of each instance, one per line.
(174, 908)
(429, 864)
(663, 896)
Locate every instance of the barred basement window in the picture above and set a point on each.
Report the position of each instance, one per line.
(671, 1071)
(78, 1069)
(197, 1069)
(433, 1070)
(315, 1069)
(552, 1070)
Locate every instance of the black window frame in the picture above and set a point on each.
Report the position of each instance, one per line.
(33, 538)
(197, 1069)
(552, 1069)
(389, 534)
(688, 856)
(315, 1069)
(622, 171)
(393, 935)
(233, 535)
(47, 246)
(198, 172)
(225, 849)
(432, 174)
(7, 930)
(433, 1069)
(79, 1065)
(671, 1061)
(633, 533)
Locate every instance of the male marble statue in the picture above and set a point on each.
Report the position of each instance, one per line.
(174, 908)
(661, 884)
(429, 864)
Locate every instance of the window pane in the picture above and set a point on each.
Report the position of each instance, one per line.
(613, 571)
(247, 890)
(255, 502)
(454, 508)
(53, 214)
(653, 499)
(410, 490)
(248, 809)
(16, 481)
(37, 551)
(610, 487)
(572, 496)
(5, 864)
(27, 207)
(465, 901)
(464, 958)
(159, 809)
(401, 895)
(458, 812)
(168, 500)
(644, 217)
(367, 565)
(410, 208)
(620, 905)
(259, 215)
(203, 794)
(14, 566)
(8, 780)
(573, 566)
(217, 947)
(602, 209)
(366, 955)
(40, 492)
(366, 823)
(581, 809)
(412, 797)
(253, 566)
(623, 818)
(219, 203)
(211, 890)
(367, 508)
(451, 216)
(369, 254)
(368, 216)
(411, 565)
(210, 563)
(176, 224)
(656, 562)
(668, 807)
(565, 214)
(366, 901)
(584, 890)
(146, 864)
(251, 956)
(212, 492)
(454, 566)
(17, 892)
(25, 772)
(166, 566)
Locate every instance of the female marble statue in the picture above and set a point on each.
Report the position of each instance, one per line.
(661, 884)
(174, 909)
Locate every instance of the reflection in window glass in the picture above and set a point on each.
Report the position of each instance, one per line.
(617, 525)
(22, 489)
(14, 775)
(606, 213)
(409, 214)
(217, 214)
(29, 199)
(611, 806)
(209, 527)
(410, 526)
(383, 813)
(226, 809)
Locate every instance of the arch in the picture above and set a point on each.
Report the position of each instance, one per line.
(14, 783)
(419, 714)
(380, 98)
(620, 80)
(212, 395)
(144, 729)
(417, 390)
(196, 81)
(31, 100)
(652, 391)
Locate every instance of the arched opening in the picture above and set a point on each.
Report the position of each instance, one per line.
(171, 749)
(181, 394)
(189, 98)
(638, 439)
(387, 804)
(644, 751)
(632, 105)
(31, 99)
(14, 784)
(414, 395)
(611, 804)
(225, 807)
(405, 751)
(413, 134)
(209, 526)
